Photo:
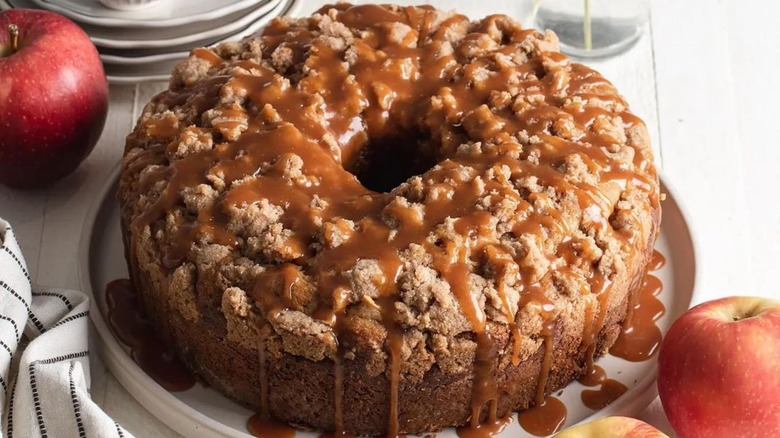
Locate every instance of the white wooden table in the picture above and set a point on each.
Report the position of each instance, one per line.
(703, 79)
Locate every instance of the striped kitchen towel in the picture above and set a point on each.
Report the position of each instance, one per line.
(44, 357)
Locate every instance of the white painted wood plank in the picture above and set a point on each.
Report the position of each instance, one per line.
(24, 209)
(98, 371)
(702, 157)
(755, 59)
(69, 201)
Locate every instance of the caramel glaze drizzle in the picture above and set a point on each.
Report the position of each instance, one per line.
(641, 336)
(638, 340)
(282, 126)
(129, 323)
(261, 424)
(609, 389)
(485, 429)
(263, 428)
(548, 414)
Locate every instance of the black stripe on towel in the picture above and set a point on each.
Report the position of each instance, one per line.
(37, 402)
(72, 317)
(34, 385)
(33, 318)
(18, 262)
(76, 404)
(119, 430)
(10, 425)
(5, 346)
(61, 358)
(54, 294)
(13, 323)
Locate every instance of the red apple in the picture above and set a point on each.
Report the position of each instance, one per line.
(719, 369)
(53, 97)
(613, 427)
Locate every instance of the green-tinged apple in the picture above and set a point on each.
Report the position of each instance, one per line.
(53, 97)
(613, 427)
(719, 369)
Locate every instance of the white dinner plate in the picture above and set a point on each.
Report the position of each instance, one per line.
(167, 13)
(203, 412)
(130, 73)
(143, 60)
(108, 36)
(183, 39)
(269, 8)
(284, 7)
(119, 79)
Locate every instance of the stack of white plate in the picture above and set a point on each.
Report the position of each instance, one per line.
(144, 45)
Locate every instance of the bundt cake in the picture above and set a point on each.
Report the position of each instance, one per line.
(384, 220)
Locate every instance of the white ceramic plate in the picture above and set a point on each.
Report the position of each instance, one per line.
(283, 7)
(108, 37)
(123, 74)
(249, 17)
(130, 73)
(203, 412)
(167, 13)
(177, 40)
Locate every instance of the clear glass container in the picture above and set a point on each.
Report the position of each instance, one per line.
(592, 28)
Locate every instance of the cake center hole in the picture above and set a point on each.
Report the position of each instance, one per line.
(385, 163)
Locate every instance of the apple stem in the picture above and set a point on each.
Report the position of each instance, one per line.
(14, 31)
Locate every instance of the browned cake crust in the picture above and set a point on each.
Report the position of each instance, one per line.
(388, 220)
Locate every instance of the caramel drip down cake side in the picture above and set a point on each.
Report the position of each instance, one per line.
(397, 192)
